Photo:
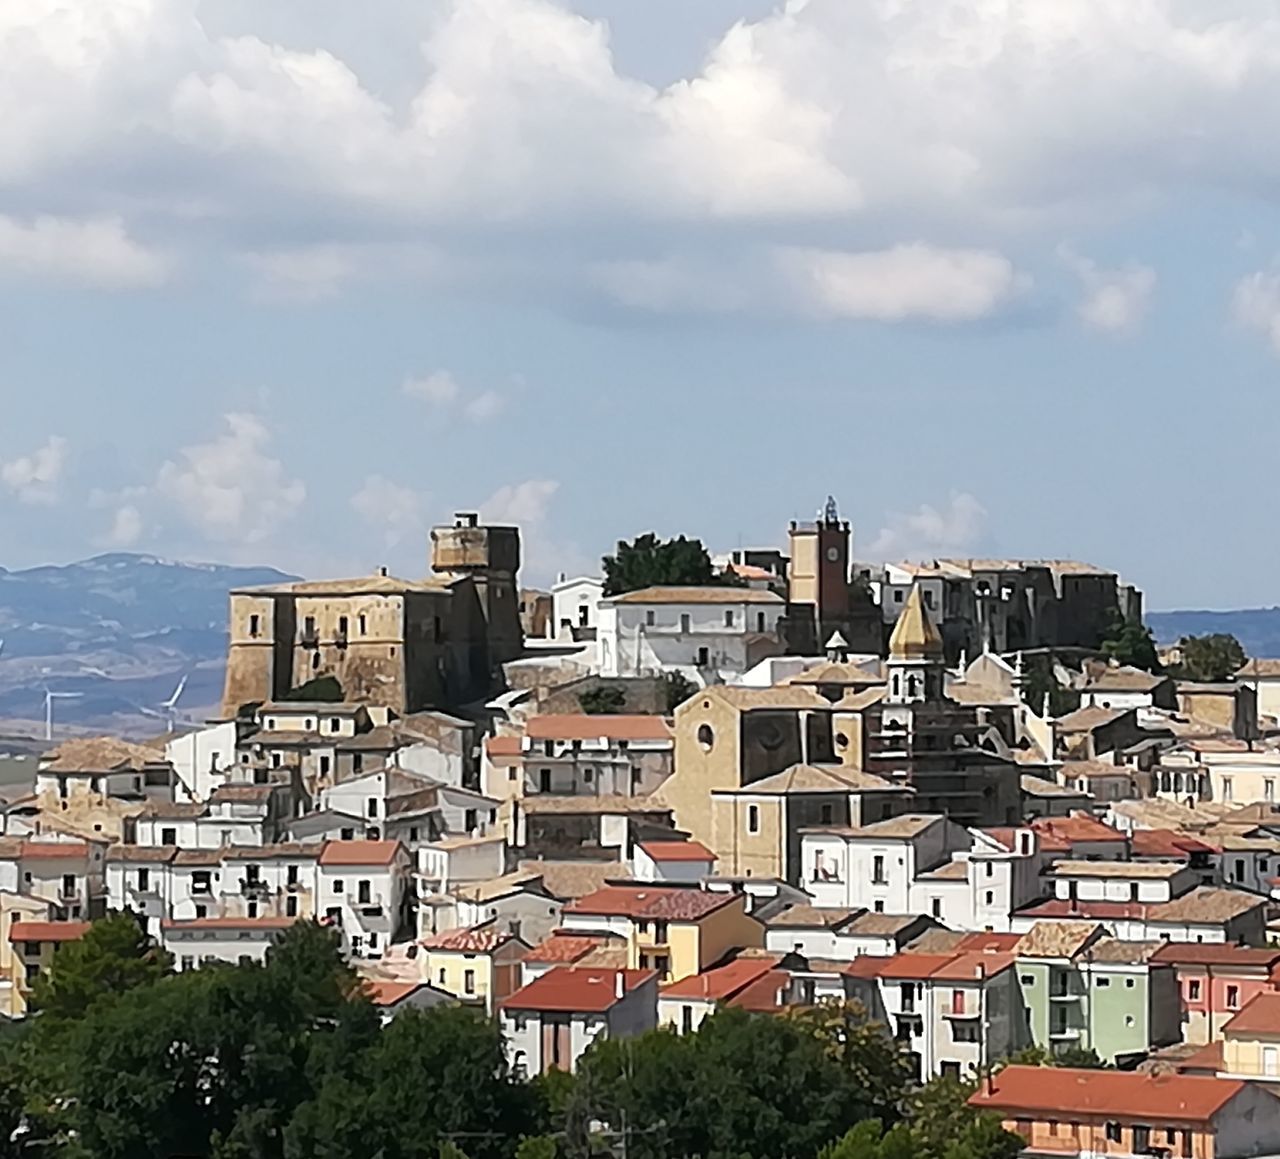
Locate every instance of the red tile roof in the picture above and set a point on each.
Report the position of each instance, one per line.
(1261, 1015)
(765, 994)
(47, 931)
(677, 851)
(1167, 843)
(1065, 1092)
(502, 746)
(564, 948)
(359, 852)
(56, 850)
(1077, 827)
(265, 923)
(1216, 955)
(569, 989)
(722, 982)
(651, 901)
(989, 941)
(382, 993)
(961, 965)
(469, 940)
(581, 726)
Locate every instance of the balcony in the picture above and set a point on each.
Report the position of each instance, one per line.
(202, 888)
(254, 887)
(964, 1011)
(69, 893)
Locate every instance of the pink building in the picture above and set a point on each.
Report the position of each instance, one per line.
(1216, 982)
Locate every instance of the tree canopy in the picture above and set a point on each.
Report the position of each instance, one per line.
(1210, 658)
(648, 561)
(602, 700)
(1130, 642)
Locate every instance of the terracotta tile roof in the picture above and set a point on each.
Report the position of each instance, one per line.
(303, 850)
(721, 982)
(974, 965)
(568, 989)
(564, 948)
(1256, 667)
(813, 917)
(174, 810)
(581, 726)
(250, 794)
(144, 853)
(1218, 955)
(1077, 827)
(472, 940)
(822, 779)
(1039, 787)
(1093, 770)
(1206, 904)
(383, 992)
(56, 850)
(603, 803)
(1260, 1015)
(1057, 939)
(1166, 843)
(339, 853)
(1069, 1093)
(1148, 870)
(227, 923)
(502, 746)
(873, 925)
(1123, 679)
(198, 857)
(912, 966)
(1120, 952)
(892, 828)
(951, 871)
(701, 595)
(47, 931)
(504, 885)
(677, 851)
(1087, 719)
(643, 900)
(765, 994)
(990, 941)
(102, 754)
(568, 879)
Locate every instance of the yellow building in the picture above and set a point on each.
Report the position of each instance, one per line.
(28, 948)
(1251, 1040)
(676, 930)
(478, 964)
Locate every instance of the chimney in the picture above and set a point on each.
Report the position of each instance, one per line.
(619, 985)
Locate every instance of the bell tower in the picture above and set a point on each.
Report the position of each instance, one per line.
(819, 570)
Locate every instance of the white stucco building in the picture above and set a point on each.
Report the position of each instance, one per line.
(712, 635)
(575, 606)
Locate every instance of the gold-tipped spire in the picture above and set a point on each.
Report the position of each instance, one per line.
(914, 635)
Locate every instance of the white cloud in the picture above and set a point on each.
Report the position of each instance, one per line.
(489, 404)
(96, 252)
(126, 527)
(34, 478)
(525, 504)
(399, 511)
(1256, 305)
(439, 388)
(905, 282)
(929, 532)
(230, 488)
(1115, 300)
(301, 275)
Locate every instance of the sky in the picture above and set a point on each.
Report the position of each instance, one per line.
(288, 283)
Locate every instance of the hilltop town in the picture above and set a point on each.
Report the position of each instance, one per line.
(966, 793)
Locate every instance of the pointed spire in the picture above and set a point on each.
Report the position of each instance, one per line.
(837, 648)
(914, 635)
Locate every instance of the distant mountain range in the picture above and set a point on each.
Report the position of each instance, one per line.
(1257, 629)
(121, 630)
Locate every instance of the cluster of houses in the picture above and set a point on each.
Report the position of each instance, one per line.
(582, 855)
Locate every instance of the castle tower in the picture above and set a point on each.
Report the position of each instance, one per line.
(916, 667)
(490, 556)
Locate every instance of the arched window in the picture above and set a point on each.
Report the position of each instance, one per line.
(706, 737)
(913, 685)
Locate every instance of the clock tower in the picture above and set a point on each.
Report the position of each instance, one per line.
(819, 570)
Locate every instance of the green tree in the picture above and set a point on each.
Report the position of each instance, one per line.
(677, 688)
(1040, 683)
(537, 1147)
(1130, 642)
(648, 561)
(745, 1085)
(1210, 658)
(114, 956)
(603, 700)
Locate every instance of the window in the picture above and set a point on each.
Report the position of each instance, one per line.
(251, 909)
(964, 1032)
(371, 807)
(544, 780)
(201, 882)
(468, 981)
(144, 877)
(826, 813)
(348, 834)
(649, 618)
(878, 906)
(1027, 979)
(753, 818)
(469, 820)
(255, 624)
(202, 911)
(363, 893)
(877, 870)
(989, 897)
(343, 623)
(1114, 1131)
(728, 618)
(357, 762)
(706, 737)
(1226, 788)
(990, 870)
(413, 833)
(1193, 990)
(1186, 1144)
(364, 623)
(935, 907)
(1129, 983)
(168, 837)
(686, 1020)
(1233, 997)
(897, 597)
(188, 962)
(291, 907)
(337, 885)
(704, 658)
(1237, 869)
(1141, 1138)
(684, 622)
(1269, 790)
(1102, 983)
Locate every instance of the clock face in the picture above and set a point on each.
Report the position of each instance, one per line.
(833, 554)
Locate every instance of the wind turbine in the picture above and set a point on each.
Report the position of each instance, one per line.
(49, 697)
(169, 708)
